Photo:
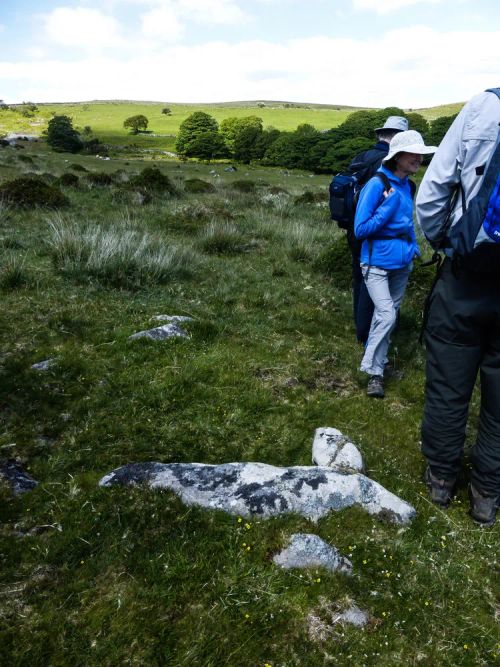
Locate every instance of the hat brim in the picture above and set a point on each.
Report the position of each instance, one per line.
(414, 148)
(390, 129)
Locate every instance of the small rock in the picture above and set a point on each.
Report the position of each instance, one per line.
(172, 330)
(172, 318)
(333, 449)
(44, 365)
(305, 550)
(13, 472)
(354, 616)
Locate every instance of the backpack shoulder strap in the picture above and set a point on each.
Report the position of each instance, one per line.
(495, 91)
(413, 188)
(384, 179)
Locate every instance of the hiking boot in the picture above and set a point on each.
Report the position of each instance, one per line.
(440, 490)
(483, 509)
(375, 387)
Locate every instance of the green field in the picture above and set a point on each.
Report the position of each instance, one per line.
(106, 118)
(124, 576)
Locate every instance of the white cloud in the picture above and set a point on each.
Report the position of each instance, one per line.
(81, 27)
(162, 22)
(388, 6)
(212, 11)
(319, 69)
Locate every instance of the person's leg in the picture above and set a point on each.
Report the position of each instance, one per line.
(485, 475)
(384, 317)
(453, 339)
(364, 313)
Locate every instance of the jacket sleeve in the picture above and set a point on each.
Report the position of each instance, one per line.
(372, 214)
(440, 181)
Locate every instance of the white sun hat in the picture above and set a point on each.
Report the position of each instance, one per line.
(410, 141)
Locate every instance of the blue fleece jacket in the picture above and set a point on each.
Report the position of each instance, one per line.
(390, 218)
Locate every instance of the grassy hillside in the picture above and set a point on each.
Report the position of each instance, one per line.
(106, 118)
(93, 576)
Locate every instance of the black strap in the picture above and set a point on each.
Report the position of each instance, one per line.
(438, 260)
(495, 91)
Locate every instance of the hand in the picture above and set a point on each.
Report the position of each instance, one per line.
(388, 192)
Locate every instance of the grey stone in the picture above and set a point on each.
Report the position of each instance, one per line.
(354, 616)
(249, 489)
(171, 330)
(333, 449)
(306, 550)
(172, 318)
(13, 472)
(44, 365)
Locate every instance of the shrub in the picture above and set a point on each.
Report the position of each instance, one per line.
(27, 192)
(124, 259)
(25, 158)
(77, 167)
(99, 178)
(68, 180)
(198, 186)
(335, 262)
(62, 136)
(151, 178)
(243, 186)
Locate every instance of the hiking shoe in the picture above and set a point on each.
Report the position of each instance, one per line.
(375, 387)
(483, 509)
(440, 490)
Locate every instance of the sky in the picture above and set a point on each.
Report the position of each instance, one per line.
(373, 53)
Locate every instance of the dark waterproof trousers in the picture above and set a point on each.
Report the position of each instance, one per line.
(362, 305)
(462, 337)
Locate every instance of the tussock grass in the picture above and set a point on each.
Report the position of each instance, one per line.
(222, 238)
(117, 256)
(13, 272)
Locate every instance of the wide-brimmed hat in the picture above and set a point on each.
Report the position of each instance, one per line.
(410, 141)
(397, 123)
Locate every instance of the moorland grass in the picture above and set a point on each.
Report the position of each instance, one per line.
(129, 576)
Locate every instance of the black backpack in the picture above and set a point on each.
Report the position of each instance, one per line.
(346, 186)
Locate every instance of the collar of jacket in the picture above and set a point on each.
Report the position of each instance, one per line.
(393, 177)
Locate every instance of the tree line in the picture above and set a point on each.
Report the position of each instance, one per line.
(246, 140)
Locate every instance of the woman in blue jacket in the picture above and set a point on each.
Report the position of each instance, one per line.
(384, 221)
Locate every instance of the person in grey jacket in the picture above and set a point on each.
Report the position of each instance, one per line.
(462, 330)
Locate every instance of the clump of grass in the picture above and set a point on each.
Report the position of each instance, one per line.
(29, 192)
(198, 186)
(99, 178)
(27, 159)
(243, 186)
(309, 197)
(152, 179)
(222, 238)
(280, 202)
(68, 180)
(300, 241)
(78, 167)
(10, 243)
(13, 274)
(335, 262)
(121, 258)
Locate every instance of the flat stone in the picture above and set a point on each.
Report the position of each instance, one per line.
(172, 318)
(44, 365)
(172, 330)
(333, 449)
(354, 616)
(306, 550)
(258, 489)
(15, 475)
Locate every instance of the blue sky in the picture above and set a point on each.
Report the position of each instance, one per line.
(409, 53)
